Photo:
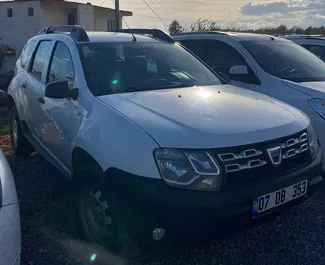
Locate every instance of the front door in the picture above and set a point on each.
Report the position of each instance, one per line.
(63, 115)
(221, 56)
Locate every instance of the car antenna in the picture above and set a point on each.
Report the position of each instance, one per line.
(134, 39)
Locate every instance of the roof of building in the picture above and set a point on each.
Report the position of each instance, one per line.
(241, 36)
(123, 12)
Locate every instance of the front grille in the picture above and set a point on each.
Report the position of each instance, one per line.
(252, 163)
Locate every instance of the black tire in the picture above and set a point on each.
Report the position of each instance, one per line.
(114, 236)
(19, 143)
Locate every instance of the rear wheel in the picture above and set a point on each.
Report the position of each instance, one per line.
(19, 143)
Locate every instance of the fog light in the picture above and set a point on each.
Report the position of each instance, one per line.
(158, 233)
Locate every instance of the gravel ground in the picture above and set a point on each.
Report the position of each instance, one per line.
(50, 237)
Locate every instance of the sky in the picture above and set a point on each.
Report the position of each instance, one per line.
(239, 13)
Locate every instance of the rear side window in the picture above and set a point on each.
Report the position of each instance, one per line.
(39, 59)
(27, 53)
(61, 67)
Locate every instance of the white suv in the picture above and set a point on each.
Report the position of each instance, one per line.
(150, 138)
(273, 66)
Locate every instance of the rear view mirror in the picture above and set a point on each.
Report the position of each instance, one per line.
(60, 90)
(3, 98)
(238, 70)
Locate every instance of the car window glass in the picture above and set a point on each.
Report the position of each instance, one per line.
(27, 53)
(286, 60)
(39, 59)
(319, 51)
(221, 57)
(130, 67)
(61, 66)
(194, 46)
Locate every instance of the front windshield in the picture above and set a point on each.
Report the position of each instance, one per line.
(139, 66)
(286, 60)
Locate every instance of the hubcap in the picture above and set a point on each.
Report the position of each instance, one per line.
(14, 132)
(95, 215)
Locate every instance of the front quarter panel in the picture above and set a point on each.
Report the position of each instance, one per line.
(114, 141)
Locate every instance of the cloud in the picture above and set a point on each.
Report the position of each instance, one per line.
(280, 7)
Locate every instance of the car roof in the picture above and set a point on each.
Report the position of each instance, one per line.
(104, 37)
(240, 36)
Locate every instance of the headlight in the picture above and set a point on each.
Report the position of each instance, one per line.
(318, 105)
(313, 141)
(189, 169)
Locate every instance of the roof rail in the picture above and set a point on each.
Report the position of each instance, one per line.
(156, 33)
(75, 31)
(304, 36)
(201, 32)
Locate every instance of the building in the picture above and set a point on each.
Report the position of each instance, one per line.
(22, 19)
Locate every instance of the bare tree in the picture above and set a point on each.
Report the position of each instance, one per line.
(175, 28)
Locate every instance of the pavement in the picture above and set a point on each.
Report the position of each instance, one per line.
(50, 236)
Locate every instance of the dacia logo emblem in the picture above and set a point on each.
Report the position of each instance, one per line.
(275, 155)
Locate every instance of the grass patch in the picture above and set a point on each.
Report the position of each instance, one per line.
(4, 129)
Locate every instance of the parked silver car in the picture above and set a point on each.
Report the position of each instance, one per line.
(9, 213)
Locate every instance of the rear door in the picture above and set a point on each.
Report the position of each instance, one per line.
(34, 83)
(18, 83)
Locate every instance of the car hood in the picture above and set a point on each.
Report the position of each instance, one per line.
(206, 117)
(313, 89)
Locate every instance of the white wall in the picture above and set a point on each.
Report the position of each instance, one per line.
(16, 30)
(53, 14)
(86, 17)
(101, 17)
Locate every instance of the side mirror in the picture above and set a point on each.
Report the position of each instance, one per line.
(238, 73)
(3, 98)
(238, 70)
(60, 90)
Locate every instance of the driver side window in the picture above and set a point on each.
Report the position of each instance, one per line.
(221, 57)
(61, 65)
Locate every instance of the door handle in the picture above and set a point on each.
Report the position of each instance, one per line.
(24, 85)
(40, 100)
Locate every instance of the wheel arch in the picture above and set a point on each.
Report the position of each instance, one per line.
(82, 160)
(10, 101)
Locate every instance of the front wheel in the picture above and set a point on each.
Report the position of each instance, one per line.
(101, 219)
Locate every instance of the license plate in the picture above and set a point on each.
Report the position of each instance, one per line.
(279, 197)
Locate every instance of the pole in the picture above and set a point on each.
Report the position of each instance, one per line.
(117, 14)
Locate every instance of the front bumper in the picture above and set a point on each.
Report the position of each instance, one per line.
(151, 203)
